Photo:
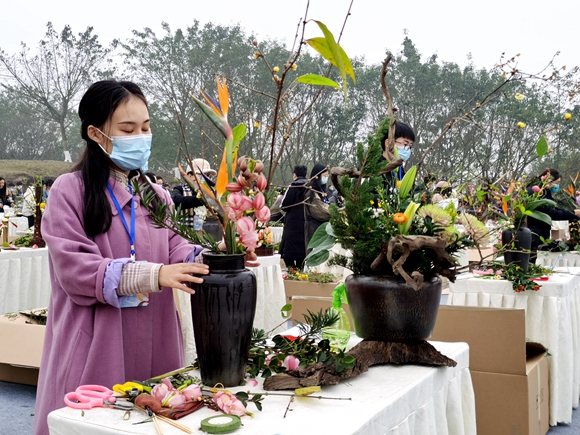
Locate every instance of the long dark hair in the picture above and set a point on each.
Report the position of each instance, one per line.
(3, 191)
(315, 178)
(96, 107)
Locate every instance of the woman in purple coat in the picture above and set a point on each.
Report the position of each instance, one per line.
(112, 317)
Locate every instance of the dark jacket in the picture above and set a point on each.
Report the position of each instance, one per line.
(292, 244)
(186, 201)
(542, 229)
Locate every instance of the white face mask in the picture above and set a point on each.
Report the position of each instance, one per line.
(130, 152)
(324, 180)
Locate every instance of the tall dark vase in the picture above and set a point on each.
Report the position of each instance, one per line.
(223, 309)
(388, 309)
(522, 243)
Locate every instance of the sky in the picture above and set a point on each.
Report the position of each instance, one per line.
(452, 29)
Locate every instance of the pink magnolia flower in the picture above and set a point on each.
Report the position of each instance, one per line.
(269, 358)
(235, 201)
(192, 392)
(249, 239)
(259, 201)
(246, 225)
(234, 187)
(536, 189)
(263, 215)
(483, 272)
(291, 362)
(261, 182)
(229, 404)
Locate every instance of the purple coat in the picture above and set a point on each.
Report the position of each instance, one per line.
(88, 341)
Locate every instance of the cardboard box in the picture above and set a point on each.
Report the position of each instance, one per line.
(20, 350)
(311, 296)
(510, 375)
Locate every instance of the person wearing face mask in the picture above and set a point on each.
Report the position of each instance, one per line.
(404, 139)
(550, 180)
(112, 316)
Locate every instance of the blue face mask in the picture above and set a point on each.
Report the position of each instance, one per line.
(555, 188)
(404, 153)
(324, 180)
(130, 152)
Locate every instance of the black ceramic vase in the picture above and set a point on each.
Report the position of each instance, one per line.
(213, 228)
(387, 309)
(223, 309)
(522, 243)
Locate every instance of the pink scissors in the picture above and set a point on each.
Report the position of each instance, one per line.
(91, 396)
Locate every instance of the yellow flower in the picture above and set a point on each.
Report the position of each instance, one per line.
(521, 125)
(519, 96)
(524, 176)
(568, 116)
(294, 67)
(275, 69)
(372, 202)
(257, 124)
(399, 182)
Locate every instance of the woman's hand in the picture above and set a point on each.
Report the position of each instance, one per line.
(178, 275)
(577, 212)
(251, 257)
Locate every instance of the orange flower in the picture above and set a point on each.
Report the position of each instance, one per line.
(399, 218)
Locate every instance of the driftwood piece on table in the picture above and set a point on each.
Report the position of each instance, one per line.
(367, 353)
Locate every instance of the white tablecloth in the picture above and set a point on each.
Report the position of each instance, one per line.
(271, 298)
(24, 279)
(388, 399)
(276, 234)
(558, 259)
(552, 319)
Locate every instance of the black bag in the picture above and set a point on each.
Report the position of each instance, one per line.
(315, 207)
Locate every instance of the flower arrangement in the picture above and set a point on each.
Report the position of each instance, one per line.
(389, 230)
(299, 275)
(265, 237)
(520, 279)
(237, 201)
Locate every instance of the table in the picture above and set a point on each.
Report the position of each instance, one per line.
(271, 298)
(276, 234)
(552, 319)
(388, 399)
(558, 259)
(24, 279)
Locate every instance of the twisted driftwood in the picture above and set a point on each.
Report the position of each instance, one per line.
(367, 353)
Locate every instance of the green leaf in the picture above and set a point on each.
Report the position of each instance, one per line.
(258, 405)
(336, 55)
(321, 46)
(541, 217)
(286, 310)
(242, 395)
(542, 146)
(315, 259)
(407, 183)
(315, 79)
(319, 237)
(349, 359)
(239, 133)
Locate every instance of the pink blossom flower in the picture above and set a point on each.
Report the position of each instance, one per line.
(246, 225)
(174, 399)
(291, 362)
(159, 391)
(261, 182)
(234, 187)
(483, 272)
(229, 404)
(234, 215)
(263, 215)
(499, 272)
(536, 189)
(192, 392)
(246, 204)
(252, 382)
(35, 246)
(249, 239)
(259, 201)
(235, 200)
(269, 358)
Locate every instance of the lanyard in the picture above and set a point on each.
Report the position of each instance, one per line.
(400, 173)
(130, 232)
